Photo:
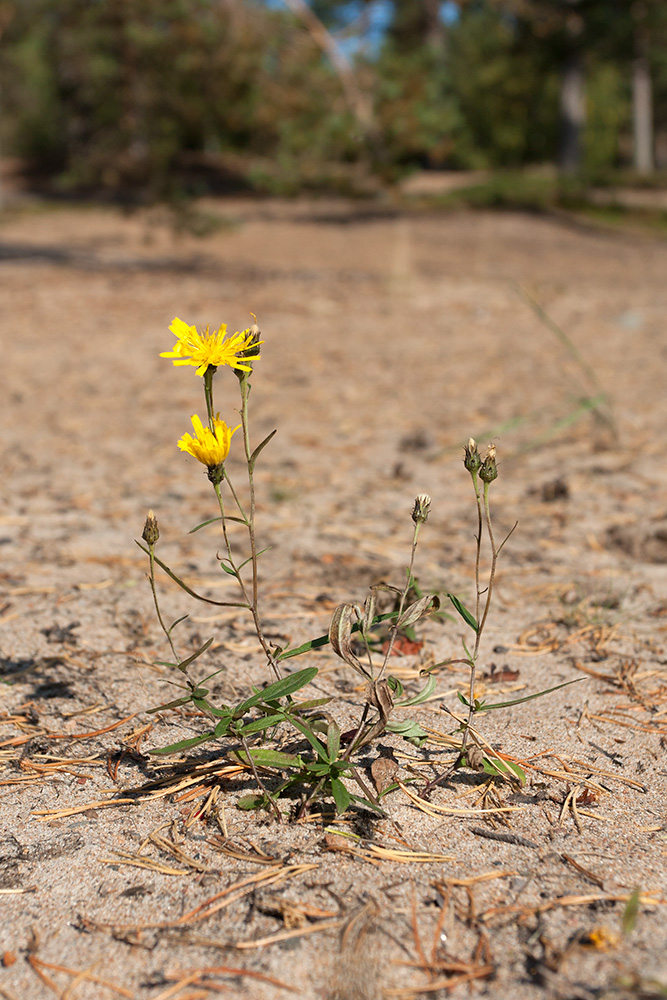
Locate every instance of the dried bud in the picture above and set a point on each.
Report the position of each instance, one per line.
(472, 459)
(421, 508)
(489, 470)
(151, 532)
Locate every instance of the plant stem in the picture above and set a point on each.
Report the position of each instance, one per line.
(151, 580)
(394, 629)
(208, 393)
(489, 594)
(250, 521)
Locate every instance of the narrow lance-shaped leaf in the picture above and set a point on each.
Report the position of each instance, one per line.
(422, 695)
(260, 447)
(467, 616)
(529, 697)
(279, 689)
(265, 757)
(202, 649)
(333, 741)
(189, 590)
(212, 520)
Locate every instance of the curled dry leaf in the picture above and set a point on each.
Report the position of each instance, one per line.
(383, 772)
(417, 610)
(475, 758)
(340, 636)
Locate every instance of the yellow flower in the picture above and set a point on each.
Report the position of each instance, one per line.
(210, 447)
(204, 349)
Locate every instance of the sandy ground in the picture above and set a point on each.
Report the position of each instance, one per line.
(389, 339)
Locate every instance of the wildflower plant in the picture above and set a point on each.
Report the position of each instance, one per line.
(319, 770)
(296, 748)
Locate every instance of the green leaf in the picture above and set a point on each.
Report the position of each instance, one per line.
(252, 801)
(395, 685)
(483, 707)
(630, 912)
(302, 706)
(341, 795)
(504, 768)
(315, 743)
(333, 741)
(191, 659)
(177, 622)
(176, 703)
(279, 689)
(409, 730)
(422, 695)
(228, 569)
(189, 590)
(212, 520)
(259, 725)
(257, 554)
(368, 804)
(463, 699)
(259, 448)
(264, 757)
(467, 616)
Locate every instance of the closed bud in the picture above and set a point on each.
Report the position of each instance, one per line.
(489, 471)
(472, 459)
(421, 508)
(151, 532)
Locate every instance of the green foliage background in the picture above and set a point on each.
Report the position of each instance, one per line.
(180, 96)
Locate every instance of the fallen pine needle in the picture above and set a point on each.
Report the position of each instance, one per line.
(48, 814)
(430, 807)
(38, 965)
(85, 736)
(323, 925)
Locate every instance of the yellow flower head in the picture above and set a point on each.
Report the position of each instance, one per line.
(210, 447)
(204, 349)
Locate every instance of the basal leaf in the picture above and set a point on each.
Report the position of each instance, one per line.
(341, 795)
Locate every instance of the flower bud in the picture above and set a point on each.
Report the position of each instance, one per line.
(472, 459)
(489, 470)
(151, 532)
(421, 508)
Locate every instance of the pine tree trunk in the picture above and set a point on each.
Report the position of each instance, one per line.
(573, 114)
(642, 115)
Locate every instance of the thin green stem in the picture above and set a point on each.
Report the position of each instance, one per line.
(394, 629)
(487, 604)
(250, 521)
(208, 393)
(151, 580)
